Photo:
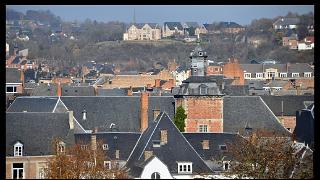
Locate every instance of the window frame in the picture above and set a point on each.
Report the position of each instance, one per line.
(105, 147)
(203, 128)
(18, 149)
(259, 75)
(223, 145)
(184, 167)
(283, 75)
(18, 170)
(247, 75)
(109, 164)
(14, 88)
(155, 175)
(307, 74)
(295, 75)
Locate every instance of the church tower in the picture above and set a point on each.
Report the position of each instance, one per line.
(198, 61)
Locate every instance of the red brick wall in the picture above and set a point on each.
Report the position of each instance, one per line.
(233, 70)
(288, 122)
(203, 110)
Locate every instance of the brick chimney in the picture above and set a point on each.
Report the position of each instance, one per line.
(205, 144)
(59, 91)
(157, 83)
(147, 154)
(163, 137)
(171, 82)
(156, 112)
(71, 124)
(94, 139)
(22, 77)
(130, 91)
(144, 111)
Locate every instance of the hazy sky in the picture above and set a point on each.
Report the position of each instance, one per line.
(242, 14)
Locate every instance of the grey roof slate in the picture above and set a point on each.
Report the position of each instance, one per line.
(36, 131)
(177, 149)
(68, 90)
(229, 25)
(239, 111)
(286, 21)
(291, 104)
(44, 90)
(13, 75)
(191, 24)
(297, 67)
(111, 92)
(124, 142)
(172, 25)
(33, 104)
(236, 90)
(123, 111)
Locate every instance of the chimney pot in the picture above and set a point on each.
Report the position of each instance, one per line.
(205, 144)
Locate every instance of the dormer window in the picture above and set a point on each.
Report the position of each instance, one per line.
(203, 89)
(200, 54)
(84, 115)
(247, 75)
(295, 74)
(18, 149)
(223, 147)
(184, 167)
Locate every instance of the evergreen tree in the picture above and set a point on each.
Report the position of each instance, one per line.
(179, 118)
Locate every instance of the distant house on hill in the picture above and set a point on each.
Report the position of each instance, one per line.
(231, 27)
(143, 31)
(172, 28)
(286, 23)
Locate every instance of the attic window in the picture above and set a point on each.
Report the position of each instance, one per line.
(223, 147)
(61, 147)
(18, 149)
(105, 147)
(203, 90)
(107, 164)
(184, 167)
(84, 147)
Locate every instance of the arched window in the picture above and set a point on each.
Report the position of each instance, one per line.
(155, 175)
(18, 149)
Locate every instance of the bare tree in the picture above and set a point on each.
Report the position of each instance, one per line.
(81, 161)
(264, 156)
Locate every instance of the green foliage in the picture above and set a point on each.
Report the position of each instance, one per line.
(179, 118)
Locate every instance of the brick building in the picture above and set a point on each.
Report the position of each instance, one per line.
(233, 70)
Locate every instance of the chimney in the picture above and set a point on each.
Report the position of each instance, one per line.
(163, 137)
(157, 83)
(171, 82)
(84, 115)
(147, 154)
(156, 112)
(94, 140)
(22, 77)
(59, 91)
(144, 111)
(117, 154)
(205, 144)
(130, 91)
(71, 120)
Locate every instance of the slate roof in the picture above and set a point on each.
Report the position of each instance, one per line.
(301, 67)
(36, 131)
(170, 153)
(191, 24)
(33, 104)
(297, 67)
(16, 60)
(112, 92)
(44, 90)
(286, 21)
(291, 103)
(68, 90)
(30, 74)
(154, 25)
(172, 25)
(236, 90)
(124, 111)
(215, 140)
(12, 75)
(242, 111)
(124, 142)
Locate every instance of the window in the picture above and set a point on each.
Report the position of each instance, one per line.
(17, 171)
(61, 147)
(156, 143)
(259, 75)
(283, 75)
(155, 175)
(226, 165)
(84, 147)
(271, 74)
(223, 147)
(203, 90)
(289, 129)
(11, 89)
(247, 75)
(295, 74)
(200, 54)
(184, 167)
(107, 164)
(105, 147)
(307, 74)
(203, 128)
(18, 149)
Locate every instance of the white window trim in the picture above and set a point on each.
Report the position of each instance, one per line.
(105, 147)
(187, 164)
(61, 147)
(203, 127)
(205, 90)
(283, 75)
(295, 75)
(12, 169)
(13, 86)
(223, 164)
(259, 75)
(247, 75)
(105, 164)
(307, 74)
(16, 152)
(156, 173)
(223, 145)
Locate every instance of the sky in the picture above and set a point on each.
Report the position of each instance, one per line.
(242, 14)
